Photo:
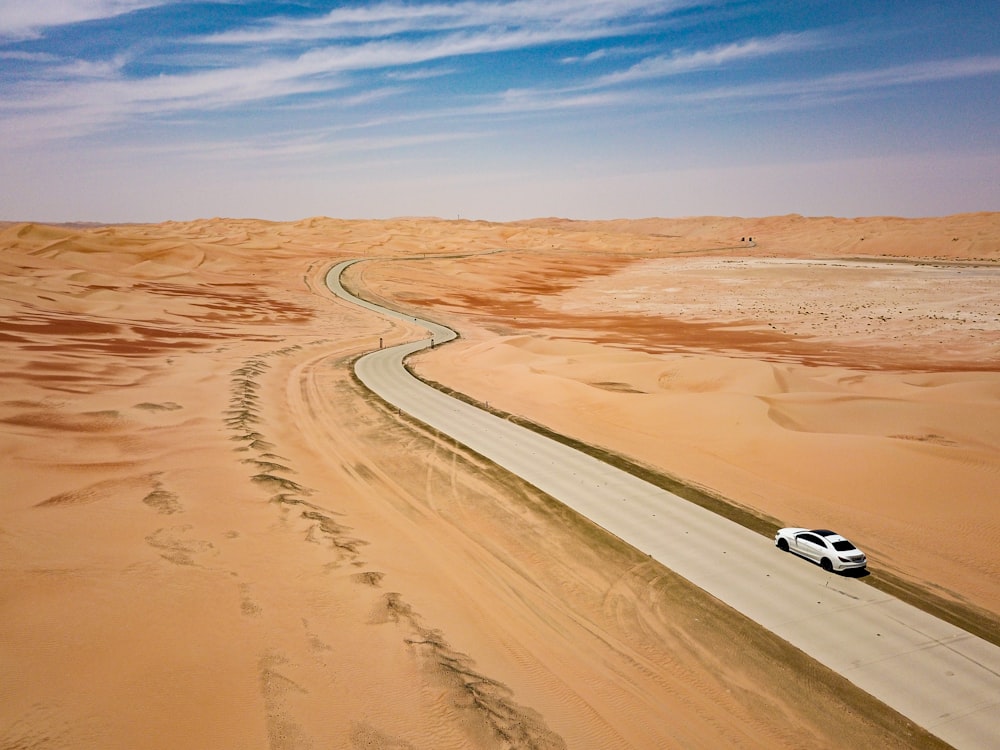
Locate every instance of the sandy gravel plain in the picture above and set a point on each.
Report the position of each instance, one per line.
(211, 536)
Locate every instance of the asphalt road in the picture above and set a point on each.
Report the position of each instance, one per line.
(939, 676)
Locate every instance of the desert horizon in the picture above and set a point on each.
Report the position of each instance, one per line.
(212, 535)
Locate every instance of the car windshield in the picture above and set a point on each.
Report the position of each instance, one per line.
(843, 546)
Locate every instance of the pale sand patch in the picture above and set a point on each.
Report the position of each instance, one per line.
(212, 537)
(946, 315)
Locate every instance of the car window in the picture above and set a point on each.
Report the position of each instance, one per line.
(811, 538)
(843, 546)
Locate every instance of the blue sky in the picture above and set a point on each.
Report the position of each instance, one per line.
(148, 110)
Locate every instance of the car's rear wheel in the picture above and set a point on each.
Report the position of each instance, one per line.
(783, 545)
(826, 564)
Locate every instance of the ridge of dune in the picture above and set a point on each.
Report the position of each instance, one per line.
(959, 236)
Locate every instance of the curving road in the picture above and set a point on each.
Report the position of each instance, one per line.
(937, 675)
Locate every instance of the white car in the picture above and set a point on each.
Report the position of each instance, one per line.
(828, 548)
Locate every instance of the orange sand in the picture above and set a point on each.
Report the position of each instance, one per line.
(210, 536)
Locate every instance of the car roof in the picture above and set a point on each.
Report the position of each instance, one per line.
(829, 536)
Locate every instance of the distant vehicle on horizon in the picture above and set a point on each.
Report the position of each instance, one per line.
(827, 548)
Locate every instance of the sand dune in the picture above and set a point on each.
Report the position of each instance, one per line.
(212, 537)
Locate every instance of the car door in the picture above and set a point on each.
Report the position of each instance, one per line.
(811, 546)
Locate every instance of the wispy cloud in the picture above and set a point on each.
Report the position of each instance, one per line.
(75, 70)
(66, 108)
(35, 57)
(420, 74)
(605, 53)
(686, 61)
(520, 101)
(26, 19)
(291, 146)
(386, 19)
(858, 82)
(91, 95)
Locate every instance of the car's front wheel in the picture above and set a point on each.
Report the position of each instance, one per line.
(783, 545)
(826, 564)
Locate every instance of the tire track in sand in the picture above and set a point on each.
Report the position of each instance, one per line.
(486, 702)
